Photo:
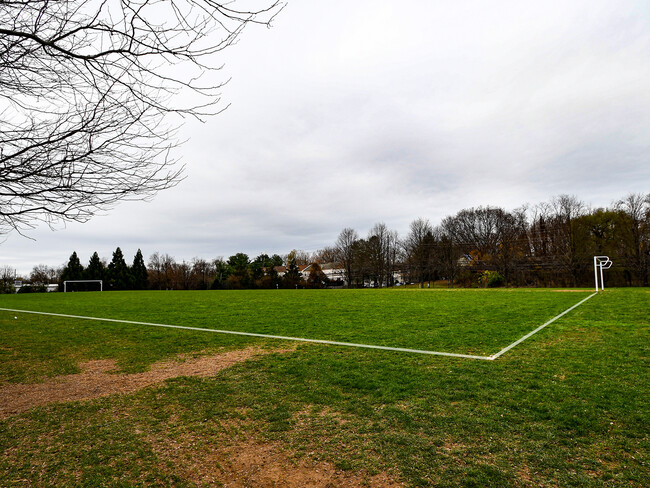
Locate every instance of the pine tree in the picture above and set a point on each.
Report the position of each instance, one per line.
(96, 269)
(139, 272)
(293, 276)
(239, 274)
(118, 273)
(73, 270)
(271, 278)
(316, 278)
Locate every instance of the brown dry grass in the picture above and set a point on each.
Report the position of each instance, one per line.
(235, 460)
(96, 380)
(248, 463)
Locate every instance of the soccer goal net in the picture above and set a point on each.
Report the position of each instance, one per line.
(83, 285)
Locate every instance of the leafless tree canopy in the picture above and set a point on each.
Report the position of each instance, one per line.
(345, 248)
(88, 88)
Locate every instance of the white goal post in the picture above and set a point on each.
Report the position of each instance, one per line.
(601, 262)
(65, 284)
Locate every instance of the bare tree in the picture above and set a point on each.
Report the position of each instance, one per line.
(161, 269)
(418, 249)
(168, 267)
(302, 258)
(376, 253)
(476, 230)
(87, 91)
(539, 235)
(513, 240)
(345, 246)
(491, 235)
(43, 274)
(382, 248)
(328, 254)
(635, 238)
(447, 252)
(154, 270)
(203, 273)
(182, 276)
(7, 278)
(394, 254)
(567, 209)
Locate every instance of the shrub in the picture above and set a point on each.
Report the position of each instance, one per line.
(491, 279)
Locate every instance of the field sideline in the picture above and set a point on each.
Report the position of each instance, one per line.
(278, 296)
(456, 321)
(568, 407)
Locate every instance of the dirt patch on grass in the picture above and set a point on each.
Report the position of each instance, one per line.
(233, 455)
(96, 380)
(261, 465)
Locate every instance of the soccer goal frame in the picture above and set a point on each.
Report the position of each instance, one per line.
(601, 263)
(65, 284)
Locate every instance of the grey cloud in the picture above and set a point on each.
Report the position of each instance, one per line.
(362, 112)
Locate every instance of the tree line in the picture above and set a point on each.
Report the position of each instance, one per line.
(549, 244)
(116, 275)
(163, 272)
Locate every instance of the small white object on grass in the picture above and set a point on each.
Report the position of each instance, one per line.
(15, 317)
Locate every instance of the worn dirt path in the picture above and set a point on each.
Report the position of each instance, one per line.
(96, 380)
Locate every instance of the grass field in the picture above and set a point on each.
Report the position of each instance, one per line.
(457, 321)
(568, 407)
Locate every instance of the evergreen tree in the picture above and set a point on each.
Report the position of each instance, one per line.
(221, 274)
(239, 275)
(95, 269)
(271, 278)
(73, 270)
(276, 260)
(316, 278)
(118, 273)
(257, 268)
(293, 276)
(139, 272)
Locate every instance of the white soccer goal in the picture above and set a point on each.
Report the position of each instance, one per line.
(601, 263)
(65, 284)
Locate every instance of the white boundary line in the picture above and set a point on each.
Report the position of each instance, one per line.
(252, 334)
(318, 341)
(519, 341)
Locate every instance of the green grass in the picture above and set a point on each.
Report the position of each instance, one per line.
(568, 407)
(478, 322)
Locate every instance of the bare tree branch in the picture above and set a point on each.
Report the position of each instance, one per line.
(88, 88)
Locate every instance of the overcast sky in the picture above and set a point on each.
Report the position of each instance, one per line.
(345, 114)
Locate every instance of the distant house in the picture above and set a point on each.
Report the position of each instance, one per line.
(465, 260)
(333, 272)
(397, 276)
(302, 268)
